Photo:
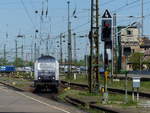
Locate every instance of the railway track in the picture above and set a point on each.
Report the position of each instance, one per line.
(83, 87)
(113, 90)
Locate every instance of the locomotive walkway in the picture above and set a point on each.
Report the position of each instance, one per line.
(13, 101)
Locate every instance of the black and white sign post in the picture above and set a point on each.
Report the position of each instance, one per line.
(106, 36)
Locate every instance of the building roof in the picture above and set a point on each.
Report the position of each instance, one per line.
(121, 27)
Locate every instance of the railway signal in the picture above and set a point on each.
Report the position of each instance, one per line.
(106, 35)
(107, 38)
(106, 30)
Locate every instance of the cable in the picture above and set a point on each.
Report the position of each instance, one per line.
(145, 3)
(26, 10)
(11, 3)
(57, 36)
(147, 15)
(107, 2)
(131, 3)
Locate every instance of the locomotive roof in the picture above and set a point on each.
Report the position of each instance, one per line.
(49, 58)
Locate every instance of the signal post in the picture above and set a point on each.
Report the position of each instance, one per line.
(106, 37)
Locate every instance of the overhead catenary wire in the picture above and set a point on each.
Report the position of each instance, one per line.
(107, 2)
(125, 5)
(147, 15)
(144, 3)
(14, 3)
(27, 12)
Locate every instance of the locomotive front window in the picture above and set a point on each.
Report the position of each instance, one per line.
(46, 66)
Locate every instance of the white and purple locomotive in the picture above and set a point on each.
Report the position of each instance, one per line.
(46, 73)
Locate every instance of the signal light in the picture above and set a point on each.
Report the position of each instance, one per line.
(106, 30)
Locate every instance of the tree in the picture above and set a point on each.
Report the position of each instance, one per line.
(147, 62)
(18, 62)
(80, 63)
(136, 60)
(29, 63)
(3, 61)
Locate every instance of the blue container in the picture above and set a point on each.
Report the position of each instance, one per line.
(7, 68)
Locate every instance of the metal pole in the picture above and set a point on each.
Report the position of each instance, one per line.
(38, 52)
(61, 53)
(94, 47)
(75, 55)
(113, 42)
(105, 57)
(47, 47)
(112, 54)
(4, 54)
(133, 94)
(16, 52)
(97, 43)
(35, 47)
(22, 52)
(126, 91)
(105, 66)
(91, 49)
(137, 94)
(35, 53)
(142, 17)
(31, 53)
(69, 43)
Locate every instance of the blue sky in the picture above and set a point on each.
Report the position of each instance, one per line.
(14, 20)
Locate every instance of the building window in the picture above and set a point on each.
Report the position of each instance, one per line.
(129, 32)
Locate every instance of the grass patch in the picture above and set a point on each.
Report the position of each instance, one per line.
(87, 94)
(18, 82)
(82, 79)
(117, 99)
(67, 92)
(129, 103)
(79, 95)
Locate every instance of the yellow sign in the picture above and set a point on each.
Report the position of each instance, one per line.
(106, 74)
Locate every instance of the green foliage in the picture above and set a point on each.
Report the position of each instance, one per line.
(136, 60)
(3, 61)
(18, 62)
(80, 63)
(30, 63)
(123, 72)
(147, 63)
(88, 94)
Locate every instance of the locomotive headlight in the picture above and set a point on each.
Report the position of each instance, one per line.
(53, 77)
(39, 78)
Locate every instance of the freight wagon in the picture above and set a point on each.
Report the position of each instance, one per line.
(7, 69)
